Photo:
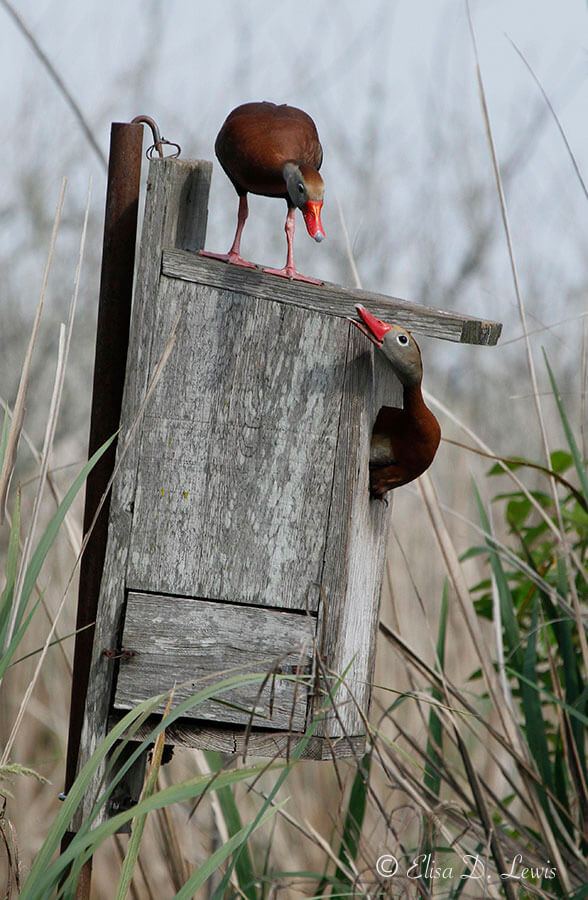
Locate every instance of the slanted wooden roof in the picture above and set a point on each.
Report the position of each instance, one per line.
(332, 299)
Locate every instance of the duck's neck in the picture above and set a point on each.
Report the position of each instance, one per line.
(413, 401)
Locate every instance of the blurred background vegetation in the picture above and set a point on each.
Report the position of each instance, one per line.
(392, 89)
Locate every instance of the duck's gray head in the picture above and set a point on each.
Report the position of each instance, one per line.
(395, 342)
(306, 190)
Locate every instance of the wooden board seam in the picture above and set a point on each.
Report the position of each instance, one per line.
(221, 601)
(328, 298)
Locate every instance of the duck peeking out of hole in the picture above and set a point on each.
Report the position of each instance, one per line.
(404, 441)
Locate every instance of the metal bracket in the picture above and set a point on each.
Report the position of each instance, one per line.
(158, 140)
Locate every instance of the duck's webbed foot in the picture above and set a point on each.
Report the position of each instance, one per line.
(231, 257)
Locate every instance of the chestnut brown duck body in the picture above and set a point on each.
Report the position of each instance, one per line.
(257, 139)
(404, 441)
(273, 151)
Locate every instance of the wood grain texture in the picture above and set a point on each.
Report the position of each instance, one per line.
(237, 454)
(189, 734)
(356, 539)
(175, 214)
(177, 640)
(331, 298)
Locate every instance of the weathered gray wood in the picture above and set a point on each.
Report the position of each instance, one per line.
(239, 451)
(236, 462)
(178, 640)
(170, 181)
(330, 298)
(187, 734)
(356, 539)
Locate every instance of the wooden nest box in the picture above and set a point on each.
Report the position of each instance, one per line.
(242, 537)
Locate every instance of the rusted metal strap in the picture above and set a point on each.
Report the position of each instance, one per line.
(158, 140)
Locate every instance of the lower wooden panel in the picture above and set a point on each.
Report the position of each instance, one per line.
(193, 643)
(187, 734)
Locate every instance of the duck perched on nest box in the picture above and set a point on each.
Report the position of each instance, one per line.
(274, 151)
(404, 441)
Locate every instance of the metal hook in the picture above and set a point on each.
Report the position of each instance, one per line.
(158, 140)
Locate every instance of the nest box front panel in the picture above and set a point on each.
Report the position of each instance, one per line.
(207, 639)
(237, 454)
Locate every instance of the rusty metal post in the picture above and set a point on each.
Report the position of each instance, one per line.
(112, 338)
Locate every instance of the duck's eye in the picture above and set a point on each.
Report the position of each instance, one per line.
(300, 187)
(402, 339)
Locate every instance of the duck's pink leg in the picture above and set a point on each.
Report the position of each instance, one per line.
(289, 271)
(234, 254)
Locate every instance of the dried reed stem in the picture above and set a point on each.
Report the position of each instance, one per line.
(19, 405)
(56, 77)
(155, 378)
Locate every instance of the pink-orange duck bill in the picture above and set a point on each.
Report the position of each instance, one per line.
(373, 328)
(312, 217)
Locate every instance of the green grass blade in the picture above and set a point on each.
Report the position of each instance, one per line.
(560, 778)
(139, 822)
(564, 635)
(41, 865)
(43, 878)
(5, 660)
(40, 868)
(48, 538)
(570, 671)
(574, 450)
(295, 755)
(4, 438)
(244, 866)
(54, 643)
(220, 890)
(85, 843)
(211, 865)
(576, 713)
(11, 568)
(435, 739)
(509, 622)
(39, 556)
(204, 694)
(265, 878)
(535, 726)
(355, 816)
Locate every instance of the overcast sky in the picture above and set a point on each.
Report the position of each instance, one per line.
(189, 63)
